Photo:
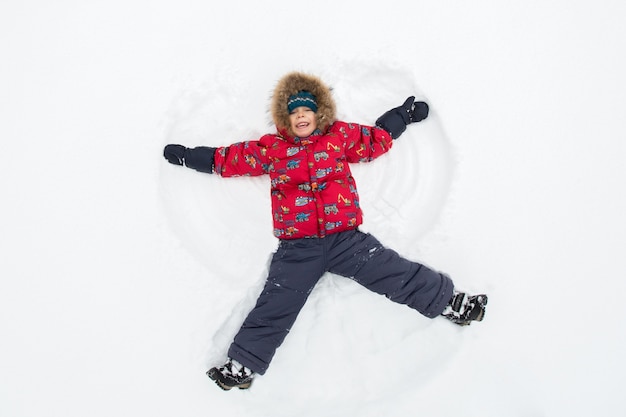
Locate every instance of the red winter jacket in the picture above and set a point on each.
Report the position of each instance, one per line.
(312, 189)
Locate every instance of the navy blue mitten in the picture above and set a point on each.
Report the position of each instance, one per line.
(396, 120)
(199, 158)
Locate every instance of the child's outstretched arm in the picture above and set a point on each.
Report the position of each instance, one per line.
(396, 120)
(239, 159)
(366, 143)
(242, 159)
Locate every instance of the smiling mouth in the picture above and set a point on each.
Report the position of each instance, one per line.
(301, 125)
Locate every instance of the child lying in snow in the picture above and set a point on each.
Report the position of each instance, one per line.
(316, 214)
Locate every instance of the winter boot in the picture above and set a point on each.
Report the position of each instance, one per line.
(231, 375)
(463, 309)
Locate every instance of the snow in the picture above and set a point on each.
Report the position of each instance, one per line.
(123, 278)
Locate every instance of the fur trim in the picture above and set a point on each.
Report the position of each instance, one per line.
(294, 82)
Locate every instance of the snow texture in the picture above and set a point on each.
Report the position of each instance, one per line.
(124, 278)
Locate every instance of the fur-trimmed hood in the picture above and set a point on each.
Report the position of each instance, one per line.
(291, 84)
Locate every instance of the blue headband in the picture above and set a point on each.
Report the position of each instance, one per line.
(302, 98)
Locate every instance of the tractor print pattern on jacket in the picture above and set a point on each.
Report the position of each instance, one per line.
(313, 192)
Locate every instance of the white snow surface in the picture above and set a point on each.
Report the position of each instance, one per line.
(124, 278)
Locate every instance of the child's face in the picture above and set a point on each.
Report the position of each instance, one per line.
(303, 121)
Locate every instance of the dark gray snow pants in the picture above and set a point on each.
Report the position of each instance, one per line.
(298, 265)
